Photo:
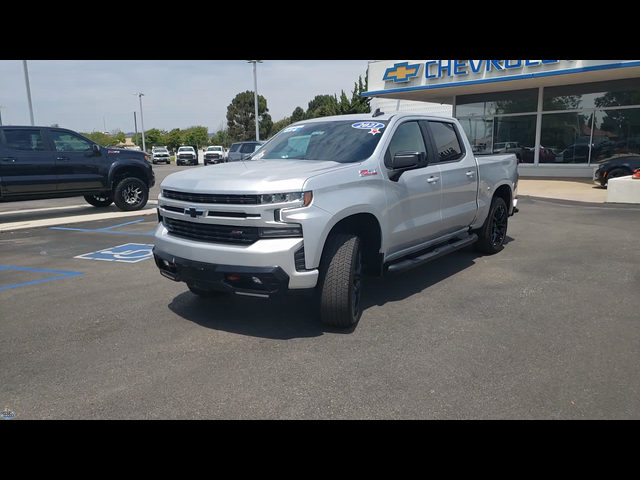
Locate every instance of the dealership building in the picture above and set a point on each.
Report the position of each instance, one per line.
(562, 118)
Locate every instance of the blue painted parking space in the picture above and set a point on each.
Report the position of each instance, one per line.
(129, 253)
(59, 275)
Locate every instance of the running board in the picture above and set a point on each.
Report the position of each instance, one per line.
(439, 251)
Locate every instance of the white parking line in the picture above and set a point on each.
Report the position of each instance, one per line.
(53, 222)
(53, 209)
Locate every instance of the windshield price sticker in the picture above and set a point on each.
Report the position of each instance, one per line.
(374, 128)
(293, 129)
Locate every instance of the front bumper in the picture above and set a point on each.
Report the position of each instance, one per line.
(253, 281)
(266, 256)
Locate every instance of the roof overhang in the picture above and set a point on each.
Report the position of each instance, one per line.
(438, 81)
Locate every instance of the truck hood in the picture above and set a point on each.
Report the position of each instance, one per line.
(250, 177)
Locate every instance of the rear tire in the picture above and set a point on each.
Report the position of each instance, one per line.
(617, 173)
(493, 233)
(99, 201)
(204, 293)
(131, 194)
(340, 284)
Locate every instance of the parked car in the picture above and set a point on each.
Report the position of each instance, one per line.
(187, 155)
(511, 147)
(214, 155)
(160, 155)
(623, 166)
(329, 200)
(45, 162)
(243, 150)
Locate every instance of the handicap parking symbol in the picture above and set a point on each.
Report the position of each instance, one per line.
(129, 253)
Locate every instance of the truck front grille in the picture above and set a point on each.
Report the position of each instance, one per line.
(211, 198)
(205, 232)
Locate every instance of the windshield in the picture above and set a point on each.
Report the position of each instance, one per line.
(185, 149)
(161, 150)
(214, 149)
(342, 142)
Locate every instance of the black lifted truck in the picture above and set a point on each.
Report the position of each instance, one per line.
(39, 163)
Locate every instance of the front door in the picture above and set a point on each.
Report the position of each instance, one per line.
(27, 166)
(459, 174)
(413, 202)
(76, 166)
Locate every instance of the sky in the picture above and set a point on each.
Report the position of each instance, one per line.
(78, 94)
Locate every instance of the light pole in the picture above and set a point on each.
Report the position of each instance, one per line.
(255, 92)
(1, 107)
(135, 125)
(26, 81)
(144, 146)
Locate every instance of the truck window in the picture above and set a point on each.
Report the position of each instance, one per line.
(447, 141)
(235, 147)
(332, 141)
(24, 140)
(67, 142)
(408, 138)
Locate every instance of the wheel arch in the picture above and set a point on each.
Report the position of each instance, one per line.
(364, 224)
(122, 170)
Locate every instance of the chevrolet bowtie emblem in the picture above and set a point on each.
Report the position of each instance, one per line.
(194, 212)
(402, 72)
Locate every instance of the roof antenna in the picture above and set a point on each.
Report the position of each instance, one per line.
(378, 113)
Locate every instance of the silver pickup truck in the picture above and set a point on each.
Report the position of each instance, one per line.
(329, 200)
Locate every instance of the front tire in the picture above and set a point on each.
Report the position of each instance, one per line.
(99, 201)
(131, 194)
(493, 233)
(340, 284)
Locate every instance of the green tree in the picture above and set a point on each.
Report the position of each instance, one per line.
(281, 124)
(174, 138)
(101, 138)
(155, 138)
(118, 136)
(297, 115)
(323, 106)
(198, 136)
(241, 119)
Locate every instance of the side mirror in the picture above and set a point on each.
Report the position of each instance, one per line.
(404, 162)
(95, 148)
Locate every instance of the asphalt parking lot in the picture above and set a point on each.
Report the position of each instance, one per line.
(547, 329)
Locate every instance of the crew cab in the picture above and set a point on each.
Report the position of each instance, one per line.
(214, 155)
(44, 162)
(187, 155)
(329, 200)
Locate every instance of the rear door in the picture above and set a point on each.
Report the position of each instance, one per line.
(247, 149)
(459, 175)
(27, 164)
(76, 166)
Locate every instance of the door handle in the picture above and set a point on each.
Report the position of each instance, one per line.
(471, 174)
(9, 159)
(63, 159)
(433, 180)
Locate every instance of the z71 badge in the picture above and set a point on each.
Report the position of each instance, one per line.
(368, 173)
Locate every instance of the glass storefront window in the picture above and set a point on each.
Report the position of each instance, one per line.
(565, 138)
(616, 134)
(499, 103)
(480, 134)
(516, 135)
(617, 93)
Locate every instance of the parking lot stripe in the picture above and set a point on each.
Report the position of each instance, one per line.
(121, 225)
(60, 276)
(50, 222)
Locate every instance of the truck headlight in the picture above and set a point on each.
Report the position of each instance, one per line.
(287, 232)
(304, 197)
